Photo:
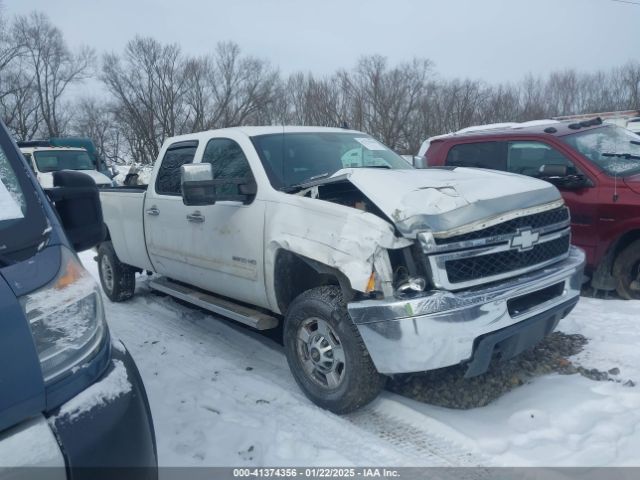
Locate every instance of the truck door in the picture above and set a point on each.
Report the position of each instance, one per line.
(527, 156)
(164, 229)
(225, 240)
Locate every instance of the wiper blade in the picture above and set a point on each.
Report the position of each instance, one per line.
(626, 156)
(374, 166)
(304, 183)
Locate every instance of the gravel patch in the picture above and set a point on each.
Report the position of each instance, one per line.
(447, 387)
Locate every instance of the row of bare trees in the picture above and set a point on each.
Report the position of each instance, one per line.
(151, 91)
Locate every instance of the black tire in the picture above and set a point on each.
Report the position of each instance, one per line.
(118, 280)
(626, 271)
(359, 382)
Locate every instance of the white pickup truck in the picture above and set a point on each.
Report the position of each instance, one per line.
(373, 267)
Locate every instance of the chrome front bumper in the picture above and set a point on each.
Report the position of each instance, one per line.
(439, 328)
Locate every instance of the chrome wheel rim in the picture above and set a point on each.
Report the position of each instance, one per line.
(320, 352)
(107, 273)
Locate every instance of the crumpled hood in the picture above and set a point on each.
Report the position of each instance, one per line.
(445, 199)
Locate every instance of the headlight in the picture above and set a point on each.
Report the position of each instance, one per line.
(66, 319)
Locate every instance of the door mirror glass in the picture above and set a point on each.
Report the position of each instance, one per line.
(196, 180)
(553, 171)
(200, 188)
(77, 201)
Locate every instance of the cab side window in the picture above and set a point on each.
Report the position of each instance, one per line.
(527, 157)
(228, 161)
(479, 155)
(178, 154)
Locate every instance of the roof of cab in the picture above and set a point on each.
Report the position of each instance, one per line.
(43, 149)
(251, 131)
(550, 127)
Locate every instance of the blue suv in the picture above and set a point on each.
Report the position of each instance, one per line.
(70, 396)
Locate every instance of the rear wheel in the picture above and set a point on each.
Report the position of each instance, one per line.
(118, 280)
(326, 354)
(626, 271)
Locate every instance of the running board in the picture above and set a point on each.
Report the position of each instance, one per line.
(215, 304)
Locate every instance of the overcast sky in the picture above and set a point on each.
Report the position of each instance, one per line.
(490, 39)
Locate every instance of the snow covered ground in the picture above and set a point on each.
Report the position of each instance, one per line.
(223, 395)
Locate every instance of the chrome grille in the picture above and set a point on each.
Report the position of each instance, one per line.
(473, 268)
(508, 249)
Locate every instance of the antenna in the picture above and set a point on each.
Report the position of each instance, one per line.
(615, 186)
(283, 151)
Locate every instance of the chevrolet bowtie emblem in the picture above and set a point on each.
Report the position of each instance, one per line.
(525, 239)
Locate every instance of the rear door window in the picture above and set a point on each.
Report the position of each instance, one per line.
(178, 154)
(479, 155)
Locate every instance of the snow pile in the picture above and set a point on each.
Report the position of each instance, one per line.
(144, 173)
(116, 383)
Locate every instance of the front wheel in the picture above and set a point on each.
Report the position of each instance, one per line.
(118, 280)
(626, 271)
(326, 354)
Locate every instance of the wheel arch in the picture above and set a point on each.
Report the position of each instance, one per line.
(603, 274)
(295, 274)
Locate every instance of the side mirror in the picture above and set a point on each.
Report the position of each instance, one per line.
(561, 178)
(200, 188)
(76, 199)
(420, 162)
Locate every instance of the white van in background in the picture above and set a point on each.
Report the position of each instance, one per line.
(45, 159)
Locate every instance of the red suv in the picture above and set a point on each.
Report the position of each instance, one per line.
(595, 166)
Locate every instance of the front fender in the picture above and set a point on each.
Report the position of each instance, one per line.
(345, 239)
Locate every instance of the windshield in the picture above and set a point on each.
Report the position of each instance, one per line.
(54, 160)
(614, 149)
(23, 225)
(294, 158)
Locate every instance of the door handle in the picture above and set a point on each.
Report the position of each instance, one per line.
(195, 217)
(153, 211)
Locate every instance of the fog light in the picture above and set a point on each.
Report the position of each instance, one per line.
(413, 284)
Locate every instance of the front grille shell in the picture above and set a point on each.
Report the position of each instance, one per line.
(497, 252)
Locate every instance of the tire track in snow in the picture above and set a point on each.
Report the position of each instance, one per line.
(417, 435)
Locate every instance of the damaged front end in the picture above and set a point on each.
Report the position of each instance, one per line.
(474, 264)
(462, 229)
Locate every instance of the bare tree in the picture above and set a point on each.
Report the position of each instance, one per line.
(148, 87)
(52, 65)
(94, 118)
(382, 99)
(239, 87)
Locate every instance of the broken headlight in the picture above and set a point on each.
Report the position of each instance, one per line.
(66, 318)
